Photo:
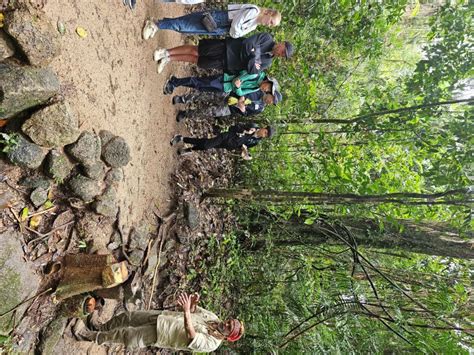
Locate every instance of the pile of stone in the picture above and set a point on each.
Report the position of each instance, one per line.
(48, 136)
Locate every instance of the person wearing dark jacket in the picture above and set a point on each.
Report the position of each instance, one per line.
(232, 55)
(238, 137)
(247, 104)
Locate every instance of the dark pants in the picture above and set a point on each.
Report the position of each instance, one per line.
(219, 141)
(212, 83)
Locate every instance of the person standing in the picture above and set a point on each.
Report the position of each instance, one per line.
(237, 21)
(238, 137)
(232, 55)
(193, 329)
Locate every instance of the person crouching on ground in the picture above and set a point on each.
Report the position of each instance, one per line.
(238, 137)
(232, 55)
(193, 329)
(237, 21)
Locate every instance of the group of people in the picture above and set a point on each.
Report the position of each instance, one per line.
(245, 88)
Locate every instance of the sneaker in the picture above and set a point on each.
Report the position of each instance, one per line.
(178, 99)
(81, 332)
(149, 29)
(169, 87)
(159, 54)
(180, 116)
(176, 139)
(184, 152)
(162, 64)
(130, 3)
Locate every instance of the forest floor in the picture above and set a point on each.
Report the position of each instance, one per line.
(110, 80)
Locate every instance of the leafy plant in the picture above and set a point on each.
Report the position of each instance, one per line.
(8, 141)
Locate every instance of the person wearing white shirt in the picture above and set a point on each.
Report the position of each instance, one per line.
(237, 21)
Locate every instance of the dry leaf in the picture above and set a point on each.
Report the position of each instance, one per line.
(81, 32)
(35, 221)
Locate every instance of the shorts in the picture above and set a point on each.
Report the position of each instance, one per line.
(212, 53)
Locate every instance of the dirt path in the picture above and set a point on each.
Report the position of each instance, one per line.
(110, 80)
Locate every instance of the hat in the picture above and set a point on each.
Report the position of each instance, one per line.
(277, 97)
(237, 330)
(275, 84)
(288, 49)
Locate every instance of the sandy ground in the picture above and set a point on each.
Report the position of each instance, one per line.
(110, 80)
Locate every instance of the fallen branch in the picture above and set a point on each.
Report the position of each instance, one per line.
(157, 266)
(42, 236)
(22, 303)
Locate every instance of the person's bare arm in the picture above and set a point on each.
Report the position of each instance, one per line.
(184, 300)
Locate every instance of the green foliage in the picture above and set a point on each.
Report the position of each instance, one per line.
(8, 141)
(364, 113)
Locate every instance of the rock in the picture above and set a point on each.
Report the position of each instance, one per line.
(92, 227)
(191, 213)
(84, 188)
(53, 126)
(106, 204)
(86, 149)
(58, 166)
(52, 335)
(7, 49)
(112, 246)
(138, 238)
(18, 280)
(105, 137)
(116, 152)
(39, 196)
(136, 256)
(114, 176)
(34, 34)
(95, 171)
(26, 154)
(24, 87)
(169, 246)
(33, 182)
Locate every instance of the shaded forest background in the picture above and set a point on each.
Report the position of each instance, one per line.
(354, 225)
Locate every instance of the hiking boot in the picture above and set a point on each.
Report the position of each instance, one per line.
(162, 64)
(176, 139)
(82, 333)
(149, 29)
(184, 152)
(178, 99)
(169, 86)
(160, 53)
(181, 116)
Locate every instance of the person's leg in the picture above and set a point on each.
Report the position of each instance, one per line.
(131, 337)
(184, 50)
(192, 23)
(204, 143)
(211, 83)
(130, 319)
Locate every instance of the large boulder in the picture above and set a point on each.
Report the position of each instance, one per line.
(95, 171)
(84, 188)
(52, 126)
(34, 34)
(26, 154)
(24, 87)
(86, 149)
(116, 152)
(18, 280)
(7, 49)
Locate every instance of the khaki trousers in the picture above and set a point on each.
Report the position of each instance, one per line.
(133, 329)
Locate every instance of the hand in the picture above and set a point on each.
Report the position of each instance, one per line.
(241, 106)
(195, 297)
(237, 83)
(184, 300)
(257, 66)
(247, 157)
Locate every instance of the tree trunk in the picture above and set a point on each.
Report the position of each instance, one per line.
(424, 238)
